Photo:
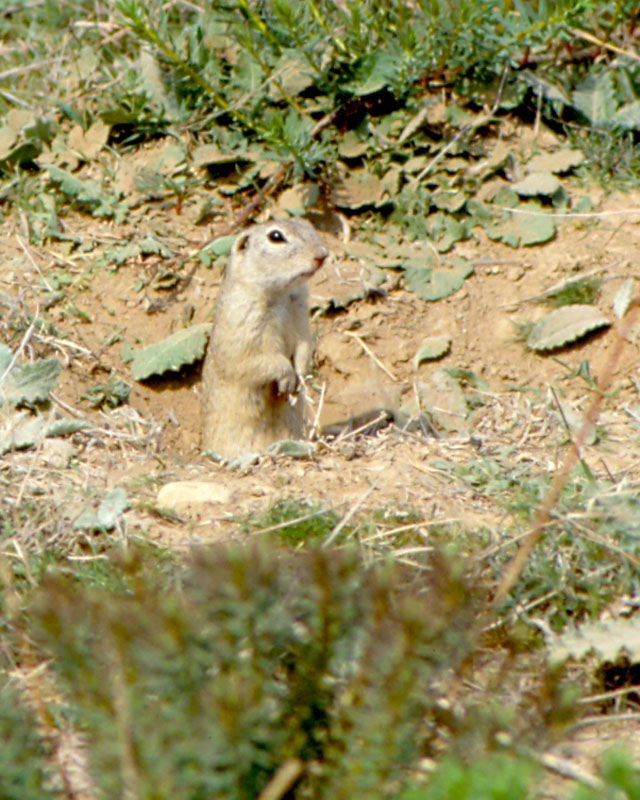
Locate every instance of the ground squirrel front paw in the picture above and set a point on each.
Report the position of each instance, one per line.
(285, 377)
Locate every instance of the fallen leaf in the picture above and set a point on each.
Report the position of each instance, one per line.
(182, 347)
(608, 640)
(560, 161)
(434, 284)
(430, 348)
(358, 190)
(521, 229)
(565, 325)
(622, 299)
(90, 142)
(537, 183)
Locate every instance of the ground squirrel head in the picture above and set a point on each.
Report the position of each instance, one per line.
(277, 256)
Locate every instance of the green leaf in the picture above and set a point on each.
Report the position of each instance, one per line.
(86, 191)
(294, 75)
(565, 325)
(182, 347)
(106, 517)
(22, 430)
(445, 230)
(449, 200)
(433, 284)
(519, 229)
(290, 447)
(595, 97)
(220, 246)
(27, 383)
(628, 116)
(113, 505)
(374, 72)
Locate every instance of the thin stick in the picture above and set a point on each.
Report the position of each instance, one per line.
(287, 523)
(598, 720)
(382, 534)
(567, 769)
(589, 37)
(334, 533)
(34, 264)
(598, 698)
(285, 776)
(371, 355)
(315, 425)
(382, 417)
(21, 346)
(562, 214)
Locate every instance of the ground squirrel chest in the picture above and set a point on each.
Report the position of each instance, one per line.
(260, 345)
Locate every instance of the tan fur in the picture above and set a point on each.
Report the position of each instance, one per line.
(261, 344)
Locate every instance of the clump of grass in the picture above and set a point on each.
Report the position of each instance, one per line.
(583, 290)
(295, 523)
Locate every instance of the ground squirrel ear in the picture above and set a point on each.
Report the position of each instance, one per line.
(241, 242)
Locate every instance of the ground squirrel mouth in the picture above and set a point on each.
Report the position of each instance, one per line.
(317, 262)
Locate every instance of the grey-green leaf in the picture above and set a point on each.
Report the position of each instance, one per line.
(608, 639)
(434, 284)
(595, 97)
(622, 299)
(86, 191)
(628, 116)
(537, 183)
(518, 229)
(559, 161)
(430, 348)
(106, 517)
(182, 347)
(111, 507)
(27, 383)
(565, 325)
(291, 447)
(22, 430)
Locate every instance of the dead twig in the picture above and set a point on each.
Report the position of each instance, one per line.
(285, 776)
(336, 530)
(589, 37)
(371, 354)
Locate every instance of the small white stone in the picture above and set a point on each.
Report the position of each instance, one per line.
(182, 494)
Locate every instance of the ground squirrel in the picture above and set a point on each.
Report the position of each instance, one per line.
(260, 345)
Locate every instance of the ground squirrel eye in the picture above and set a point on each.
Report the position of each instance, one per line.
(276, 236)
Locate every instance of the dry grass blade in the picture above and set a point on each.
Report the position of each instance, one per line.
(371, 354)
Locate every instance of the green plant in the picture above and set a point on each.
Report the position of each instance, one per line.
(257, 660)
(22, 755)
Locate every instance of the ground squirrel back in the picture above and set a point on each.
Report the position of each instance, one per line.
(260, 345)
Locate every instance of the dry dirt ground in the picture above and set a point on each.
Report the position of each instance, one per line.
(364, 361)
